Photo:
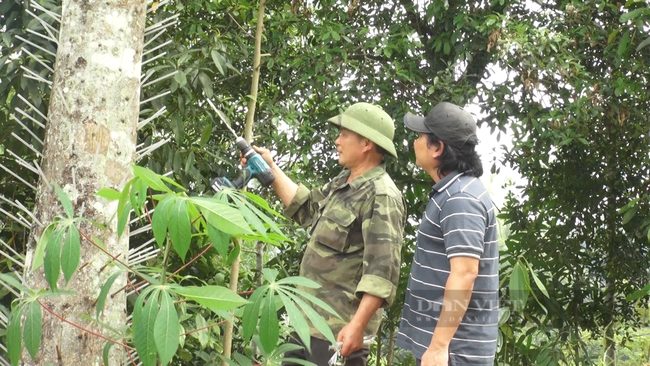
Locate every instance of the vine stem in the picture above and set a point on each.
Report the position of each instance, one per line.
(175, 272)
(206, 327)
(82, 328)
(110, 255)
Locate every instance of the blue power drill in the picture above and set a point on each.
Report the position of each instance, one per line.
(255, 167)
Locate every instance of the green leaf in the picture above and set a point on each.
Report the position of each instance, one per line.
(122, 218)
(39, 252)
(106, 352)
(206, 83)
(222, 216)
(33, 331)
(166, 331)
(634, 14)
(227, 360)
(101, 300)
(519, 286)
(271, 223)
(202, 334)
(213, 297)
(181, 78)
(313, 299)
(172, 182)
(180, 228)
(643, 44)
(110, 194)
(638, 294)
(10, 280)
(624, 44)
(504, 315)
(150, 178)
(270, 274)
(65, 200)
(316, 319)
(218, 61)
(219, 239)
(612, 36)
(297, 320)
(234, 254)
(143, 329)
(299, 281)
(649, 234)
(629, 215)
(160, 219)
(14, 341)
(261, 202)
(206, 134)
(252, 312)
(241, 359)
(539, 283)
(70, 253)
(52, 263)
(269, 324)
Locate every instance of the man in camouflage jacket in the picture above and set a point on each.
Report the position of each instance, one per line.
(356, 223)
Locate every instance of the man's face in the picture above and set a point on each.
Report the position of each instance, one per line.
(424, 154)
(350, 146)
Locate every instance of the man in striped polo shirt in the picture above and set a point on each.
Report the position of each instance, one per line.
(451, 309)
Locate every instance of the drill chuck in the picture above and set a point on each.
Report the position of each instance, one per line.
(255, 167)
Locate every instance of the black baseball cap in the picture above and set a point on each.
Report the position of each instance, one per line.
(450, 123)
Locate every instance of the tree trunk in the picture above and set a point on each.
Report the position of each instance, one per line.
(610, 340)
(248, 134)
(89, 145)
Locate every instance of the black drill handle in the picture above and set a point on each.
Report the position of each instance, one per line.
(265, 178)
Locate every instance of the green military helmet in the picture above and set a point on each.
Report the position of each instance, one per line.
(369, 121)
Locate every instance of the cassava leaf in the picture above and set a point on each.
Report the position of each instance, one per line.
(166, 331)
(160, 219)
(39, 252)
(52, 264)
(222, 216)
(14, 340)
(296, 319)
(109, 193)
(316, 319)
(143, 329)
(150, 178)
(214, 297)
(252, 312)
(101, 300)
(33, 331)
(219, 239)
(299, 281)
(269, 323)
(180, 228)
(65, 200)
(70, 253)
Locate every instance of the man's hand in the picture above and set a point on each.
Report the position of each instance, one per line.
(265, 153)
(352, 337)
(436, 357)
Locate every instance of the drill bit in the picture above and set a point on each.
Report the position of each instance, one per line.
(223, 118)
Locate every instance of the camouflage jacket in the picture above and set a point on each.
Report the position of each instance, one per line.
(355, 244)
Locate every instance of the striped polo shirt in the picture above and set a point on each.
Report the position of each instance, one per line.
(459, 221)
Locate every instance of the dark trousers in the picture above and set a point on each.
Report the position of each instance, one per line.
(321, 354)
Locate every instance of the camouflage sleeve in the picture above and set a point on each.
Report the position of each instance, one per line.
(304, 205)
(383, 226)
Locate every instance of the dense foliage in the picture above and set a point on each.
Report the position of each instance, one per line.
(567, 81)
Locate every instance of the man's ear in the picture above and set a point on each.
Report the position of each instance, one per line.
(368, 145)
(437, 149)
